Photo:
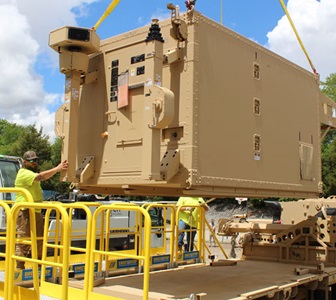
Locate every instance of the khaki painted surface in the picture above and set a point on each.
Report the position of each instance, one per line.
(214, 115)
(238, 282)
(295, 212)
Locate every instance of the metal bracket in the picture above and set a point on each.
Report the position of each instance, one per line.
(170, 164)
(174, 55)
(85, 169)
(92, 77)
(180, 28)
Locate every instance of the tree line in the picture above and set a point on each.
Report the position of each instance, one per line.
(328, 147)
(15, 140)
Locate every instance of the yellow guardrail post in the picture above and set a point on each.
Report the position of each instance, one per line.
(148, 206)
(64, 246)
(216, 239)
(88, 237)
(102, 243)
(4, 204)
(4, 237)
(89, 276)
(201, 241)
(172, 229)
(57, 237)
(11, 225)
(27, 195)
(200, 230)
(10, 250)
(176, 225)
(148, 228)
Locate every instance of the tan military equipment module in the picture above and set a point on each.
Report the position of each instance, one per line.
(186, 106)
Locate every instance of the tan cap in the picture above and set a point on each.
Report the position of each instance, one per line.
(29, 155)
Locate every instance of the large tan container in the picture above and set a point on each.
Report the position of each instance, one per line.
(196, 109)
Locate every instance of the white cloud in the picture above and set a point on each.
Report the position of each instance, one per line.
(19, 87)
(315, 22)
(40, 115)
(24, 31)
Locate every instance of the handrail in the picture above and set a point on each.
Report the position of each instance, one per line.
(89, 241)
(64, 265)
(199, 227)
(216, 239)
(25, 192)
(60, 241)
(10, 222)
(148, 206)
(4, 204)
(145, 257)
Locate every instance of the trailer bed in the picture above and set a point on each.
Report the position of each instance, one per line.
(245, 280)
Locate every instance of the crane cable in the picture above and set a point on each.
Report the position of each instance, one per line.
(110, 8)
(297, 35)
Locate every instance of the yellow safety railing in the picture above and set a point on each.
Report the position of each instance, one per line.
(216, 240)
(198, 229)
(163, 228)
(54, 240)
(96, 259)
(109, 233)
(106, 209)
(3, 236)
(9, 223)
(26, 194)
(12, 240)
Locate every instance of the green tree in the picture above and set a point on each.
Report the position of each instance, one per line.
(9, 136)
(56, 149)
(15, 140)
(329, 168)
(33, 139)
(329, 86)
(328, 147)
(59, 186)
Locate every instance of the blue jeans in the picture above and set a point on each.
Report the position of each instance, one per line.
(190, 235)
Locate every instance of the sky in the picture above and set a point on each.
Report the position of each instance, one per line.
(31, 86)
